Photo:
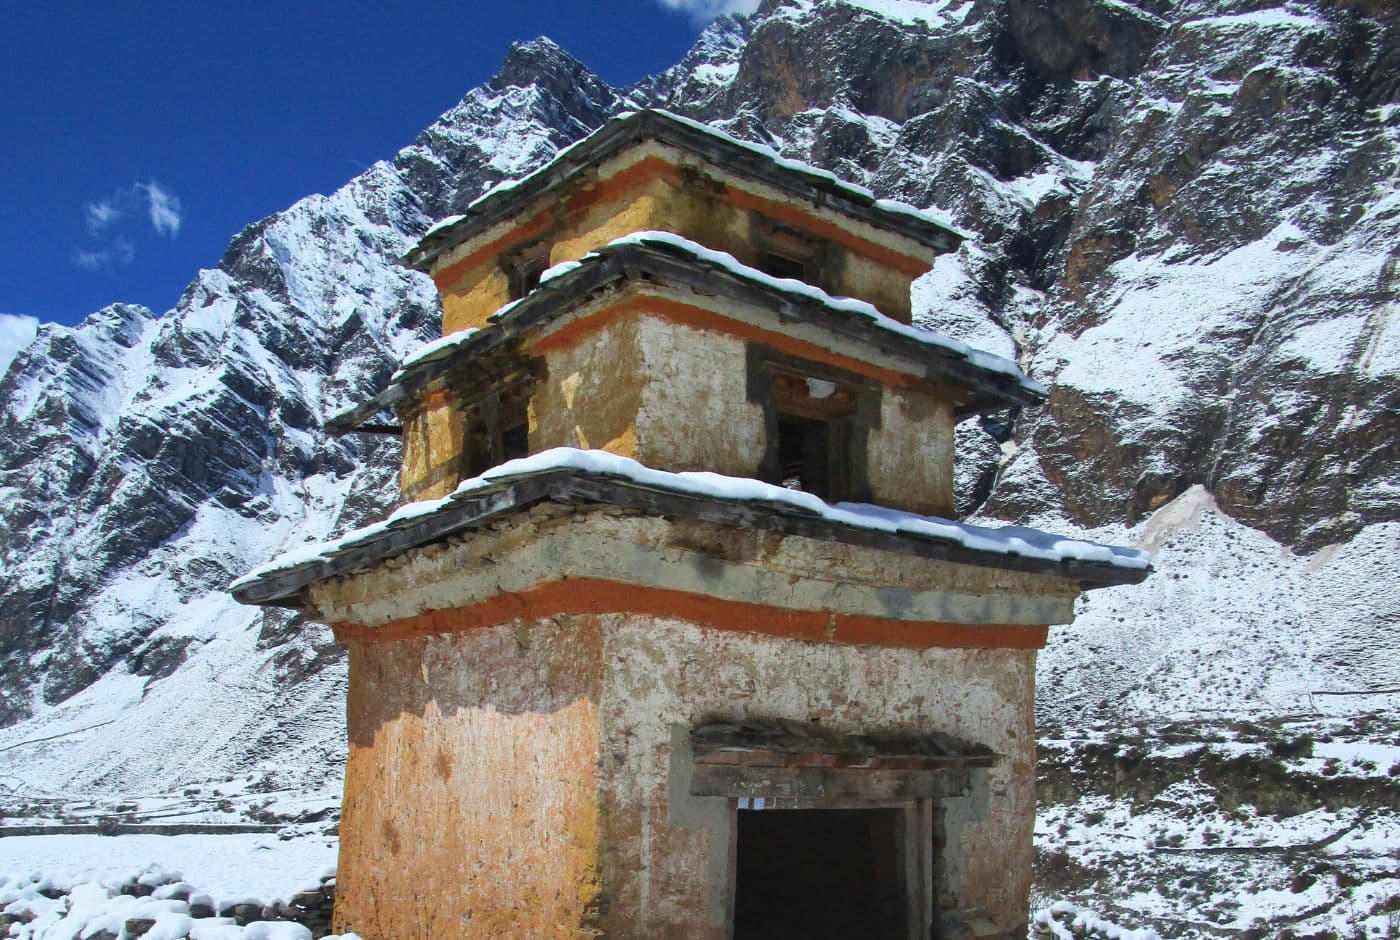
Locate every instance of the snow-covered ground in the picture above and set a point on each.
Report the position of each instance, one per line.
(1228, 827)
(61, 887)
(228, 868)
(65, 887)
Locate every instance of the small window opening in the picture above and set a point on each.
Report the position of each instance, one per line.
(498, 429)
(779, 265)
(820, 873)
(525, 269)
(477, 453)
(804, 455)
(515, 441)
(524, 278)
(811, 420)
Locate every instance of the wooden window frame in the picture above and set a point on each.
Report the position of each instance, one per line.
(849, 417)
(491, 417)
(794, 249)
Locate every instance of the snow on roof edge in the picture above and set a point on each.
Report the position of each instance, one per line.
(854, 190)
(978, 358)
(1006, 540)
(982, 359)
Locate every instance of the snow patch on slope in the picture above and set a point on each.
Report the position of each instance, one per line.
(1232, 623)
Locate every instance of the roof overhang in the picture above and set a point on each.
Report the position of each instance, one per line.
(653, 263)
(740, 158)
(519, 485)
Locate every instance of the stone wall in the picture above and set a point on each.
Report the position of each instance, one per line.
(531, 777)
(528, 768)
(667, 866)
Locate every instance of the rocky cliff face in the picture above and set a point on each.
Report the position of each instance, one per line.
(1186, 221)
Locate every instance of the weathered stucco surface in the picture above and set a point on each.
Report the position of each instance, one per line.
(696, 380)
(592, 392)
(471, 799)
(666, 868)
(909, 457)
(433, 440)
(639, 370)
(652, 187)
(532, 778)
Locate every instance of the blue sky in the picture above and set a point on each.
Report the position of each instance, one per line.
(139, 137)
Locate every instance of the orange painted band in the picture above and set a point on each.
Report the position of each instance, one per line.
(701, 319)
(632, 177)
(652, 168)
(811, 225)
(598, 596)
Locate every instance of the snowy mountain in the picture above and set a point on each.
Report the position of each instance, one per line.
(1186, 221)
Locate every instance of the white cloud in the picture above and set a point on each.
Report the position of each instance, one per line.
(118, 251)
(113, 223)
(101, 214)
(702, 11)
(15, 334)
(164, 208)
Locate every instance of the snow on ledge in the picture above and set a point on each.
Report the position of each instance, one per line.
(441, 224)
(437, 348)
(1006, 540)
(978, 358)
(853, 190)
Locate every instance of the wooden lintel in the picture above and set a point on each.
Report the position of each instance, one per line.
(827, 783)
(736, 757)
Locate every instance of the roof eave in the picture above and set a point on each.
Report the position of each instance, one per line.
(990, 391)
(654, 125)
(572, 487)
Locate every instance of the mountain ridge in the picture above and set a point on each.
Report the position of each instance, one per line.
(1185, 217)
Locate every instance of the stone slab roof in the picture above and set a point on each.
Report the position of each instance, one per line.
(570, 476)
(742, 158)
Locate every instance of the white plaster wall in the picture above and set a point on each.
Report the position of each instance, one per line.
(695, 412)
(664, 676)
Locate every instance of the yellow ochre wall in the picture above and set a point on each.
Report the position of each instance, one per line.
(471, 802)
(433, 440)
(528, 779)
(655, 188)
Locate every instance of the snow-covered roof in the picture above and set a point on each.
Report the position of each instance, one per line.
(816, 185)
(555, 475)
(999, 381)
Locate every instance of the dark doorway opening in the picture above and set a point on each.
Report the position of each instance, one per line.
(820, 873)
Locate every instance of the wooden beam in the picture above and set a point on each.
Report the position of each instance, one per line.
(826, 783)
